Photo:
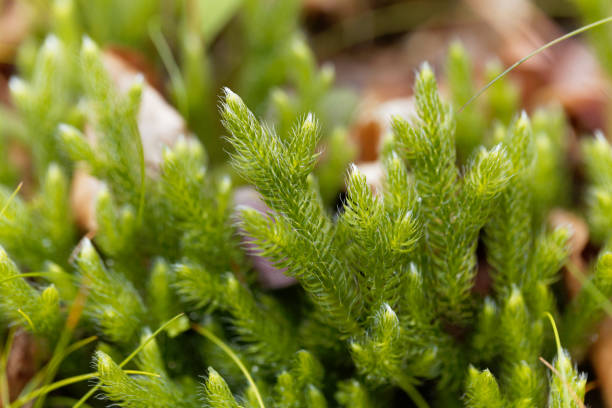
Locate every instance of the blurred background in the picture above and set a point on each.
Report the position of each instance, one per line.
(351, 62)
(368, 49)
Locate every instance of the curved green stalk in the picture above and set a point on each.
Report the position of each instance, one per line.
(25, 275)
(206, 333)
(536, 52)
(12, 196)
(27, 319)
(51, 387)
(555, 331)
(163, 49)
(60, 356)
(62, 349)
(67, 381)
(130, 357)
(567, 388)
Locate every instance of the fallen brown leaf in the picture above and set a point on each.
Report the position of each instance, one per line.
(83, 192)
(21, 364)
(16, 20)
(601, 358)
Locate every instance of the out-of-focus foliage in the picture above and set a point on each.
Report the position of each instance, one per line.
(591, 11)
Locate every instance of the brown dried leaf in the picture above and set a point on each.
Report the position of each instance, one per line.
(4, 90)
(16, 20)
(374, 122)
(83, 193)
(520, 28)
(137, 62)
(577, 82)
(21, 364)
(601, 358)
(331, 9)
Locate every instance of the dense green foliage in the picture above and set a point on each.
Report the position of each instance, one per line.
(433, 285)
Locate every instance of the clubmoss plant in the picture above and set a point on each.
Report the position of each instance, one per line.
(391, 301)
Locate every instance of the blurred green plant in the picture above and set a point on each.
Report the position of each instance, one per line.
(593, 10)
